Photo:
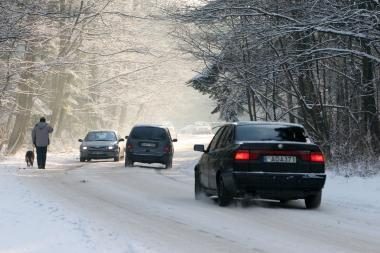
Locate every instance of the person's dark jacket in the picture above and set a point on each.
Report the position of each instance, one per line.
(40, 134)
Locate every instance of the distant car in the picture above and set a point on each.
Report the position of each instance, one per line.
(101, 144)
(261, 159)
(197, 130)
(149, 144)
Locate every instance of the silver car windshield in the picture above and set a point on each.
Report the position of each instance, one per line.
(100, 136)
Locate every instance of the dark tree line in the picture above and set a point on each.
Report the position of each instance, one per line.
(306, 61)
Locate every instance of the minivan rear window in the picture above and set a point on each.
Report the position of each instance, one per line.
(149, 133)
(270, 133)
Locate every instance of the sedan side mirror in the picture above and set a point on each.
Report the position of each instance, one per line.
(200, 148)
(174, 140)
(80, 140)
(126, 137)
(121, 139)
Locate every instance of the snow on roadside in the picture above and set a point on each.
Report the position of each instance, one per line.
(30, 222)
(354, 192)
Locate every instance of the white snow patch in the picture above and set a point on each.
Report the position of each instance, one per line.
(33, 222)
(32, 219)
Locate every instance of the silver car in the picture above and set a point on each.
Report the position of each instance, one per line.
(101, 144)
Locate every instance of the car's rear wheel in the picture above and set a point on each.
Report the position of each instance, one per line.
(169, 164)
(313, 201)
(284, 201)
(128, 163)
(198, 189)
(224, 196)
(82, 159)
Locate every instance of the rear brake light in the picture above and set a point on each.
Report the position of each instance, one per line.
(242, 155)
(317, 157)
(254, 155)
(129, 146)
(166, 149)
(245, 155)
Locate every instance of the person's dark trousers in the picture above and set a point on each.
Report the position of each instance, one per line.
(41, 157)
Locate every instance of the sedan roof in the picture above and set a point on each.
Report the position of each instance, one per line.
(243, 123)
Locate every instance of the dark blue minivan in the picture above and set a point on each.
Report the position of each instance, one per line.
(149, 144)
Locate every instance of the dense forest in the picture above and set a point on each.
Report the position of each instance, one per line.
(87, 64)
(303, 61)
(108, 64)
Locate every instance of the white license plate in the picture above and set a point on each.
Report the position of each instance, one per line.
(149, 145)
(280, 159)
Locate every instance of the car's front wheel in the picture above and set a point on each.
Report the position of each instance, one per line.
(224, 196)
(313, 201)
(198, 189)
(117, 157)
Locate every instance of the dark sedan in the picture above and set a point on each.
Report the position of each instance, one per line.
(261, 159)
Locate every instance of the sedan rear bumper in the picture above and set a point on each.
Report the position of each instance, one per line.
(278, 185)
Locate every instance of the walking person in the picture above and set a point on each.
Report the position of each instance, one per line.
(40, 137)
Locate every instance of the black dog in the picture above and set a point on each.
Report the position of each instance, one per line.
(29, 158)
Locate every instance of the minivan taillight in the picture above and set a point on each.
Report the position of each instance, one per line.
(129, 147)
(167, 149)
(317, 157)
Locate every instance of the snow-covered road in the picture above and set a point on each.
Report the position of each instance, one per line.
(103, 207)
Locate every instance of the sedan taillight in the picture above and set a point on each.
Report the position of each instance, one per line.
(245, 155)
(317, 157)
(307, 156)
(242, 155)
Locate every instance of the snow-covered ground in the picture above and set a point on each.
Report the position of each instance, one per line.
(103, 207)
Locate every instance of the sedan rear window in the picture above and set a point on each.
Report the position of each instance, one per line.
(149, 133)
(270, 133)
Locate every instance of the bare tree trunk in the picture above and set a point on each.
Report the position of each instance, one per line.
(7, 77)
(249, 104)
(60, 78)
(370, 118)
(24, 103)
(274, 96)
(253, 105)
